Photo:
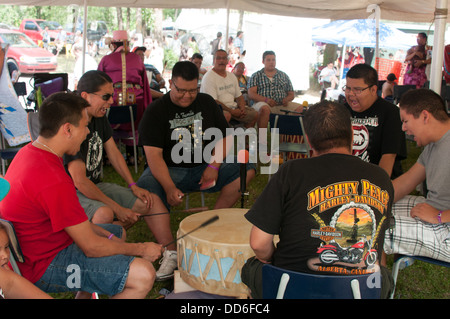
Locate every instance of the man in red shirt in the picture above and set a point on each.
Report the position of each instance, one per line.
(55, 235)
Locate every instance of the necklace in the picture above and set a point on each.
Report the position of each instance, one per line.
(37, 141)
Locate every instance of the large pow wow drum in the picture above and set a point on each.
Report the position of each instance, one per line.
(210, 259)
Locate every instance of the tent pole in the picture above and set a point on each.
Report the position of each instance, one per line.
(437, 58)
(83, 55)
(341, 79)
(375, 9)
(228, 25)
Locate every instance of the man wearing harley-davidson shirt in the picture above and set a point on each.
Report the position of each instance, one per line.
(377, 129)
(332, 200)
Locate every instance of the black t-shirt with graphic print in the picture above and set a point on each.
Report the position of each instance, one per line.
(165, 124)
(378, 131)
(330, 213)
(91, 150)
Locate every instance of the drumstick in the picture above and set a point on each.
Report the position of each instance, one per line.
(206, 223)
(190, 210)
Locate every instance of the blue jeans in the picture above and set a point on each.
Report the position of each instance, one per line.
(186, 179)
(71, 270)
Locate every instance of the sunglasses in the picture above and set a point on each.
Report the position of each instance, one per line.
(105, 97)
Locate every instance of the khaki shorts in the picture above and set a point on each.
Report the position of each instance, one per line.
(121, 195)
(249, 117)
(292, 106)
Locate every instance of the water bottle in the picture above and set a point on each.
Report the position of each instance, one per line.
(406, 262)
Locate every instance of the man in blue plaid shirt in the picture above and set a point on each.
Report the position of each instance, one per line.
(271, 90)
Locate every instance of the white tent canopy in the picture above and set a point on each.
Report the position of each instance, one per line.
(398, 10)
(401, 10)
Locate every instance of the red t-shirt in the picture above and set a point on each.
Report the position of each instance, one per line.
(41, 203)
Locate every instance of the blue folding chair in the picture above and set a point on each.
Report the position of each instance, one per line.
(402, 261)
(289, 125)
(285, 284)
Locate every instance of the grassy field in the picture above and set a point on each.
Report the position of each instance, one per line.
(419, 281)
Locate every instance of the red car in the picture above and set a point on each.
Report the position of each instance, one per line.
(26, 54)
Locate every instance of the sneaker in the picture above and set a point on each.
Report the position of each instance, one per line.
(168, 265)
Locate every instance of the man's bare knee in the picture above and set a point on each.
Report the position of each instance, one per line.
(103, 215)
(141, 278)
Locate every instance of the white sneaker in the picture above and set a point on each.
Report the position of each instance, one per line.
(168, 265)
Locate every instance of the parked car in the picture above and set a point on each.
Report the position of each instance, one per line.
(27, 55)
(95, 30)
(34, 27)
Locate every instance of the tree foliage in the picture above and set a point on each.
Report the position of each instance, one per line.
(13, 15)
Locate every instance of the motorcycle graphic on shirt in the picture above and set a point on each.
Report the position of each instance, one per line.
(348, 240)
(361, 250)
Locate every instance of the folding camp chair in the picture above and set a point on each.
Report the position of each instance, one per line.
(290, 125)
(48, 83)
(6, 153)
(123, 115)
(21, 90)
(285, 284)
(402, 261)
(33, 125)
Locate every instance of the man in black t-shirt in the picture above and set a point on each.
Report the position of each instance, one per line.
(377, 128)
(332, 199)
(177, 132)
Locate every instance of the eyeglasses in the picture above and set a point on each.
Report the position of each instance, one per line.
(184, 91)
(356, 91)
(105, 97)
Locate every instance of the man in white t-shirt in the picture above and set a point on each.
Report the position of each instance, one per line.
(224, 88)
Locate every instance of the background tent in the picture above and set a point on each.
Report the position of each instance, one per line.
(399, 10)
(362, 33)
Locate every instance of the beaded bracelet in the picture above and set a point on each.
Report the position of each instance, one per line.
(439, 217)
(110, 236)
(129, 185)
(212, 166)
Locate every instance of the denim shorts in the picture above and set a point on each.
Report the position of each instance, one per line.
(186, 179)
(71, 270)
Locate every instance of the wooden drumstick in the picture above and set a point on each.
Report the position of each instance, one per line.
(189, 210)
(206, 223)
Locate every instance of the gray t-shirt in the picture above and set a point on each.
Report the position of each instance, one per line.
(435, 158)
